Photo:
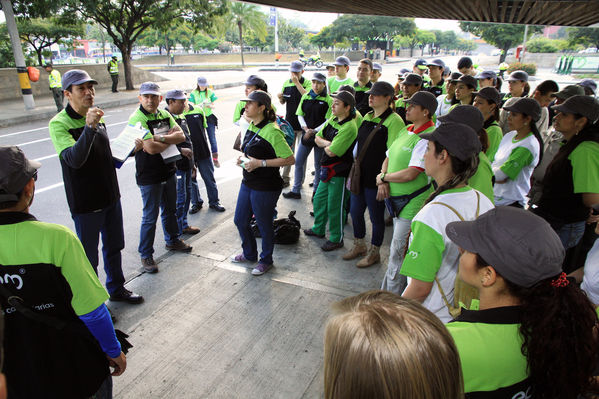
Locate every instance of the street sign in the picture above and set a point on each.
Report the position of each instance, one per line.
(272, 20)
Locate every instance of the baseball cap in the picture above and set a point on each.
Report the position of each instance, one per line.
(254, 80)
(446, 71)
(114, 57)
(518, 75)
(465, 114)
(149, 88)
(459, 139)
(343, 60)
(259, 96)
(403, 71)
(377, 67)
(76, 77)
(296, 66)
(486, 75)
(202, 81)
(468, 81)
(381, 89)
(319, 76)
(412, 79)
(175, 95)
(521, 246)
(455, 76)
(425, 99)
(15, 172)
(586, 106)
(330, 66)
(489, 93)
(347, 88)
(436, 62)
(346, 97)
(589, 84)
(569, 91)
(465, 62)
(526, 106)
(420, 64)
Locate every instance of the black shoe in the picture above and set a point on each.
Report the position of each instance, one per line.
(311, 233)
(149, 265)
(124, 295)
(217, 207)
(195, 208)
(285, 184)
(179, 245)
(292, 195)
(331, 246)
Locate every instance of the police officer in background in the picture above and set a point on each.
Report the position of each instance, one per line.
(55, 86)
(113, 70)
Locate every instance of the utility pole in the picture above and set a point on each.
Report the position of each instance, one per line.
(524, 43)
(17, 50)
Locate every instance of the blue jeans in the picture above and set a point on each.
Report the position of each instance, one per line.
(161, 196)
(376, 209)
(196, 199)
(183, 198)
(109, 223)
(262, 205)
(206, 170)
(211, 130)
(570, 234)
(105, 390)
(301, 155)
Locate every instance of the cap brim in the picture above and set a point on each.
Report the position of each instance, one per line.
(156, 93)
(422, 66)
(464, 234)
(82, 81)
(563, 108)
(428, 136)
(34, 164)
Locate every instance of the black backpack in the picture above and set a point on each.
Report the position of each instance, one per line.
(287, 230)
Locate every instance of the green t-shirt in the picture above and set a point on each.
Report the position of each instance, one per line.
(240, 108)
(482, 180)
(495, 134)
(59, 127)
(408, 152)
(200, 97)
(334, 84)
(585, 167)
(144, 118)
(345, 137)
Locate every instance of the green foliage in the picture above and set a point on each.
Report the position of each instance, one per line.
(201, 42)
(367, 27)
(465, 45)
(584, 36)
(38, 8)
(7, 59)
(542, 45)
(327, 37)
(447, 40)
(247, 16)
(530, 69)
(290, 35)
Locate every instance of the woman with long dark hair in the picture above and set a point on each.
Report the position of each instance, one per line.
(535, 333)
(487, 100)
(464, 91)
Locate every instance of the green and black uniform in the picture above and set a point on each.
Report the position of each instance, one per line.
(293, 97)
(198, 98)
(495, 134)
(315, 109)
(362, 98)
(438, 89)
(330, 201)
(46, 266)
(400, 109)
(333, 83)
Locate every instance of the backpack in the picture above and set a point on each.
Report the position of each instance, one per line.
(287, 230)
(287, 130)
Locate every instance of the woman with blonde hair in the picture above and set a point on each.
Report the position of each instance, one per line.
(379, 345)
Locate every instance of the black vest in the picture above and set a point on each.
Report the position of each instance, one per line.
(362, 99)
(94, 185)
(184, 163)
(197, 133)
(376, 151)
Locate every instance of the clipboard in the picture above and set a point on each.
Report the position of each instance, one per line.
(122, 146)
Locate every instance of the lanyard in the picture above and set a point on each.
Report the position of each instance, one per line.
(249, 142)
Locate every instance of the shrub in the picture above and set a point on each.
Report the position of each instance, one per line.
(530, 69)
(542, 45)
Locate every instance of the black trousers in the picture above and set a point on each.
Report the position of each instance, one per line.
(58, 95)
(115, 82)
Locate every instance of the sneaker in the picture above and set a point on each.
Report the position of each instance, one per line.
(215, 162)
(217, 207)
(190, 230)
(124, 295)
(311, 233)
(195, 208)
(261, 268)
(239, 258)
(149, 265)
(179, 245)
(292, 195)
(331, 246)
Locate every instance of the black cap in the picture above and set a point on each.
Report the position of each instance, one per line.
(426, 100)
(521, 246)
(526, 106)
(412, 79)
(114, 57)
(465, 62)
(346, 97)
(489, 93)
(436, 62)
(348, 88)
(403, 71)
(455, 76)
(468, 81)
(381, 89)
(259, 96)
(518, 75)
(466, 114)
(458, 139)
(586, 106)
(420, 64)
(569, 91)
(15, 172)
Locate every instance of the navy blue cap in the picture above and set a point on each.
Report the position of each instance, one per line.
(149, 88)
(76, 77)
(175, 95)
(296, 66)
(319, 76)
(202, 81)
(343, 60)
(486, 75)
(254, 80)
(420, 64)
(377, 67)
(403, 71)
(589, 84)
(436, 62)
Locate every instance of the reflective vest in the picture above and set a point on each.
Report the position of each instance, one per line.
(55, 79)
(113, 67)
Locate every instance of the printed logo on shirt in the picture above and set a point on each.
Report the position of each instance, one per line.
(413, 254)
(523, 395)
(407, 149)
(15, 279)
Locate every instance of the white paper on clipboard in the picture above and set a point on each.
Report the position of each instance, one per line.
(124, 144)
(171, 154)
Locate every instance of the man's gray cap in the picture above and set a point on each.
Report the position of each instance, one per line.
(260, 97)
(412, 79)
(426, 100)
(381, 89)
(589, 84)
(254, 80)
(377, 67)
(489, 93)
(569, 91)
(202, 81)
(319, 77)
(76, 77)
(466, 114)
(346, 97)
(586, 106)
(458, 139)
(343, 60)
(436, 62)
(15, 172)
(149, 88)
(486, 75)
(348, 88)
(518, 75)
(521, 246)
(296, 66)
(526, 106)
(175, 95)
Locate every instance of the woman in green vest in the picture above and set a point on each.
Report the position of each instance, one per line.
(205, 97)
(487, 101)
(535, 333)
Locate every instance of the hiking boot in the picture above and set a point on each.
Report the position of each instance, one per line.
(292, 195)
(331, 246)
(311, 233)
(124, 295)
(190, 230)
(217, 207)
(373, 257)
(359, 249)
(178, 245)
(149, 265)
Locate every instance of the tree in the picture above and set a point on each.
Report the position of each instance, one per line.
(201, 42)
(43, 33)
(247, 16)
(585, 36)
(125, 20)
(369, 27)
(447, 40)
(417, 38)
(327, 37)
(426, 37)
(291, 34)
(502, 36)
(465, 45)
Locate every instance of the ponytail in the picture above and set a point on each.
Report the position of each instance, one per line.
(483, 137)
(392, 103)
(498, 84)
(526, 90)
(269, 114)
(535, 132)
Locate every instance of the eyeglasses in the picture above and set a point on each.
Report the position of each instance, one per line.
(34, 176)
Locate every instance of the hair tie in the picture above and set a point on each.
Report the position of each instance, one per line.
(561, 281)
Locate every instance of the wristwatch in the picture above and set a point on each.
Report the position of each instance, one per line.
(162, 139)
(264, 163)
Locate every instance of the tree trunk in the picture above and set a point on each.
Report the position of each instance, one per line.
(503, 55)
(126, 53)
(39, 56)
(241, 42)
(411, 52)
(422, 52)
